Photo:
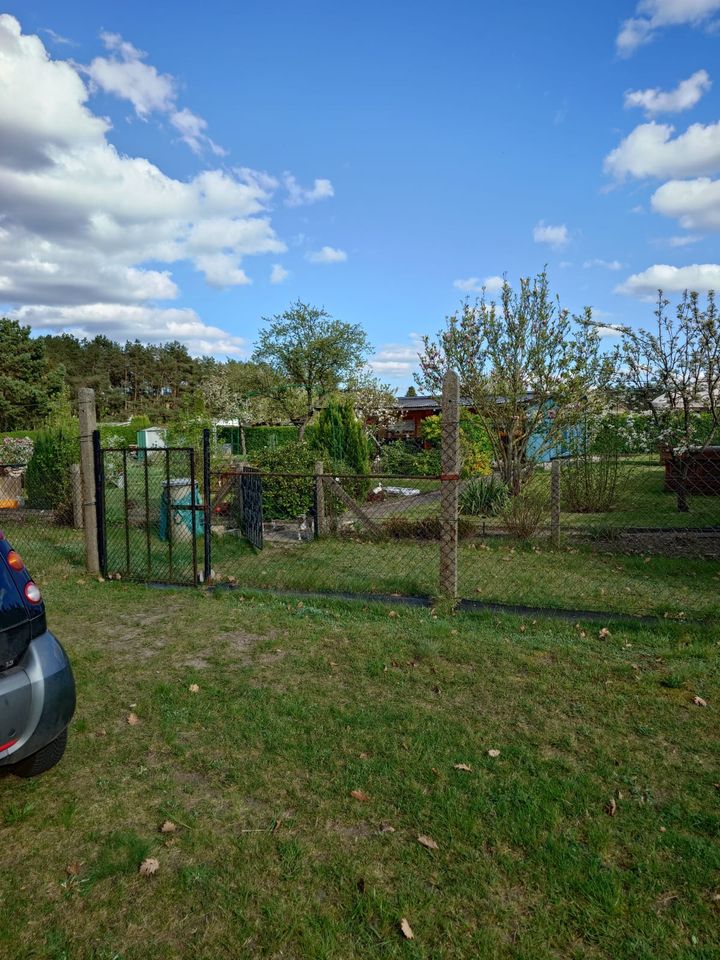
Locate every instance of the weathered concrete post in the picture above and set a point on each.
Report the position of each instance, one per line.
(77, 500)
(320, 518)
(449, 483)
(88, 424)
(555, 503)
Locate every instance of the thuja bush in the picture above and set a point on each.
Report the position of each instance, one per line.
(49, 480)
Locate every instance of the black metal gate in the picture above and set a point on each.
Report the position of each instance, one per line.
(153, 509)
(252, 507)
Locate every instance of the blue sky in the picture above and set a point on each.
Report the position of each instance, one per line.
(384, 155)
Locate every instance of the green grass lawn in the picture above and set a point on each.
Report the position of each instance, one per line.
(298, 706)
(492, 570)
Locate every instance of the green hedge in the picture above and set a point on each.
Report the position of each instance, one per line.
(48, 480)
(258, 439)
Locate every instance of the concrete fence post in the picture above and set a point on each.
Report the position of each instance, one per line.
(320, 518)
(555, 503)
(88, 424)
(449, 485)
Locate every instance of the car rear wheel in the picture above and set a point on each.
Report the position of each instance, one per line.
(42, 760)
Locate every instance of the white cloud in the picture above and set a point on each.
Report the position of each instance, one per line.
(604, 264)
(653, 15)
(121, 322)
(651, 151)
(298, 196)
(125, 75)
(81, 222)
(694, 203)
(397, 360)
(700, 277)
(58, 38)
(555, 236)
(685, 95)
(327, 255)
(192, 132)
(475, 284)
(221, 270)
(278, 273)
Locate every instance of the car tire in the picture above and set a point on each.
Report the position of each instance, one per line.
(44, 759)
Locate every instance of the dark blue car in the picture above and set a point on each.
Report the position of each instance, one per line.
(37, 689)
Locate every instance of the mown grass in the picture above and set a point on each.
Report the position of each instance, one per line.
(299, 705)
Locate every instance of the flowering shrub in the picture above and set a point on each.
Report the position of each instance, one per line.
(16, 450)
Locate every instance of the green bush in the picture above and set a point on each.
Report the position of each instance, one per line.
(402, 459)
(258, 439)
(525, 512)
(49, 480)
(399, 458)
(287, 498)
(475, 448)
(483, 497)
(408, 528)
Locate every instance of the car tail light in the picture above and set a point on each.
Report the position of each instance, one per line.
(15, 561)
(32, 592)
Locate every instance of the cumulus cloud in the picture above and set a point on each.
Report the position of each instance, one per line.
(278, 273)
(652, 151)
(685, 95)
(653, 15)
(81, 223)
(604, 264)
(125, 75)
(397, 360)
(555, 236)
(150, 324)
(700, 277)
(327, 255)
(694, 203)
(475, 284)
(298, 196)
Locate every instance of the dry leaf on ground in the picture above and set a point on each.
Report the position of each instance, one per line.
(611, 807)
(167, 826)
(194, 688)
(603, 633)
(386, 828)
(360, 795)
(493, 753)
(133, 719)
(462, 766)
(73, 869)
(699, 702)
(406, 929)
(148, 867)
(427, 842)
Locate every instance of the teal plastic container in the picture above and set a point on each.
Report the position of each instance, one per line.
(175, 495)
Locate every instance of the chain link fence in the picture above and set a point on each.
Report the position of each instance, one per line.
(43, 521)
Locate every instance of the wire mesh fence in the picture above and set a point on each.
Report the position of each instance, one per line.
(43, 520)
(360, 535)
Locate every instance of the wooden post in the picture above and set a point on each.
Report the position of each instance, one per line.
(77, 500)
(449, 484)
(555, 503)
(320, 518)
(88, 424)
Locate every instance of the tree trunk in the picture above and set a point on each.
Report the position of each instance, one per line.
(243, 448)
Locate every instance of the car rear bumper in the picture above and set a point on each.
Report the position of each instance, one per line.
(37, 699)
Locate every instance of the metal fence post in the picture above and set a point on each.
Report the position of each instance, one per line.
(207, 538)
(320, 518)
(555, 502)
(449, 483)
(88, 424)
